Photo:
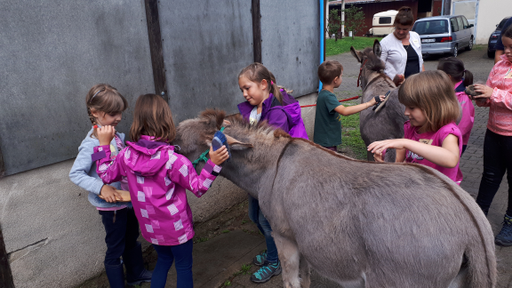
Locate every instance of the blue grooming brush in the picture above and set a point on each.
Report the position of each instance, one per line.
(218, 140)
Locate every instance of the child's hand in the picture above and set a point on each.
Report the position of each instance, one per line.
(378, 157)
(485, 91)
(109, 194)
(378, 146)
(105, 134)
(219, 156)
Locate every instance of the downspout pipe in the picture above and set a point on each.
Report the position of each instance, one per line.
(322, 37)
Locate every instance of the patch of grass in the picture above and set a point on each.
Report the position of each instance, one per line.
(333, 47)
(244, 270)
(350, 134)
(480, 47)
(200, 239)
(226, 231)
(227, 283)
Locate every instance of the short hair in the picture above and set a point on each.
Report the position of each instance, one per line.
(433, 93)
(404, 16)
(329, 70)
(104, 98)
(152, 117)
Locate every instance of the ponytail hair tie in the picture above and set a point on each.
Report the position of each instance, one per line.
(271, 82)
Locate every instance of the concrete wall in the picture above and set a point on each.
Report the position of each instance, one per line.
(54, 51)
(489, 14)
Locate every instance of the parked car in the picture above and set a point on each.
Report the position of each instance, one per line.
(494, 38)
(382, 23)
(444, 34)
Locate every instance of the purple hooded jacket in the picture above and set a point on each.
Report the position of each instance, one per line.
(158, 178)
(287, 117)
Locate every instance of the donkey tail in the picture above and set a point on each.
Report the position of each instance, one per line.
(480, 254)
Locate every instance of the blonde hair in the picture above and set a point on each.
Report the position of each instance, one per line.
(433, 93)
(152, 117)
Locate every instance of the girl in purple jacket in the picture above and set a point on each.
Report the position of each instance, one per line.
(158, 179)
(266, 101)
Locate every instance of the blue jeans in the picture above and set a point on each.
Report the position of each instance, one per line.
(257, 217)
(122, 231)
(497, 160)
(166, 255)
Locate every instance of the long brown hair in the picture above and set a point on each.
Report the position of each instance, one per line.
(256, 72)
(152, 117)
(433, 93)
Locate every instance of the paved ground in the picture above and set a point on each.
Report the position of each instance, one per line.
(228, 243)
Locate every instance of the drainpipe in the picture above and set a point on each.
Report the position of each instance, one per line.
(322, 37)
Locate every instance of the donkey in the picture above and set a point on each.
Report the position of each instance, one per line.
(388, 122)
(361, 224)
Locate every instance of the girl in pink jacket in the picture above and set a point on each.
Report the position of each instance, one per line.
(497, 95)
(461, 78)
(158, 179)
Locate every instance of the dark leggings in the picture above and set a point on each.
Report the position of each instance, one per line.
(497, 160)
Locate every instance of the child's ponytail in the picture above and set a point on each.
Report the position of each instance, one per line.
(468, 78)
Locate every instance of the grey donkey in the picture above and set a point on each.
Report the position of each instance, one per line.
(387, 122)
(361, 224)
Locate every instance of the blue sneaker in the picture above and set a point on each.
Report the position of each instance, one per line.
(260, 259)
(266, 272)
(504, 238)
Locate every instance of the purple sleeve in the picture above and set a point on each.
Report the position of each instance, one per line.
(107, 168)
(183, 173)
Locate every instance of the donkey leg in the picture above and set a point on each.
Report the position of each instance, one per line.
(290, 257)
(305, 272)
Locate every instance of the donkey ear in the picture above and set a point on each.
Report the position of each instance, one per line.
(377, 49)
(237, 145)
(356, 54)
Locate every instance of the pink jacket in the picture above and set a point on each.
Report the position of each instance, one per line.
(468, 112)
(500, 102)
(158, 178)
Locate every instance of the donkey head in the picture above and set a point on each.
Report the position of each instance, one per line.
(194, 136)
(370, 61)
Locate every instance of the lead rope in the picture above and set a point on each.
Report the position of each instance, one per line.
(203, 157)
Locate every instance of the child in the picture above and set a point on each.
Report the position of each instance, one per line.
(431, 136)
(265, 101)
(461, 78)
(497, 95)
(104, 106)
(158, 178)
(328, 109)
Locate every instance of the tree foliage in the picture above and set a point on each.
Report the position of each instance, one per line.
(354, 20)
(334, 24)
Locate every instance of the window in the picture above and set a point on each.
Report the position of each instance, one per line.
(466, 23)
(385, 20)
(459, 21)
(455, 25)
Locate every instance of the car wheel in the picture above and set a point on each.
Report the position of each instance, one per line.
(455, 51)
(470, 45)
(490, 54)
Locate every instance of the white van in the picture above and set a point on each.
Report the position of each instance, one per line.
(382, 23)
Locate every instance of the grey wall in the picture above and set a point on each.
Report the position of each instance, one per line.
(53, 51)
(203, 57)
(290, 43)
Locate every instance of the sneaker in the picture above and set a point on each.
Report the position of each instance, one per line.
(504, 238)
(266, 272)
(260, 259)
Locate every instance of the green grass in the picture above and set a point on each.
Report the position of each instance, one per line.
(350, 135)
(333, 47)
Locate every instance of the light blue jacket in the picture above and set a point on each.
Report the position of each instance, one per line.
(83, 172)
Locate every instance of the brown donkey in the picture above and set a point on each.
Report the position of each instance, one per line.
(388, 122)
(361, 224)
